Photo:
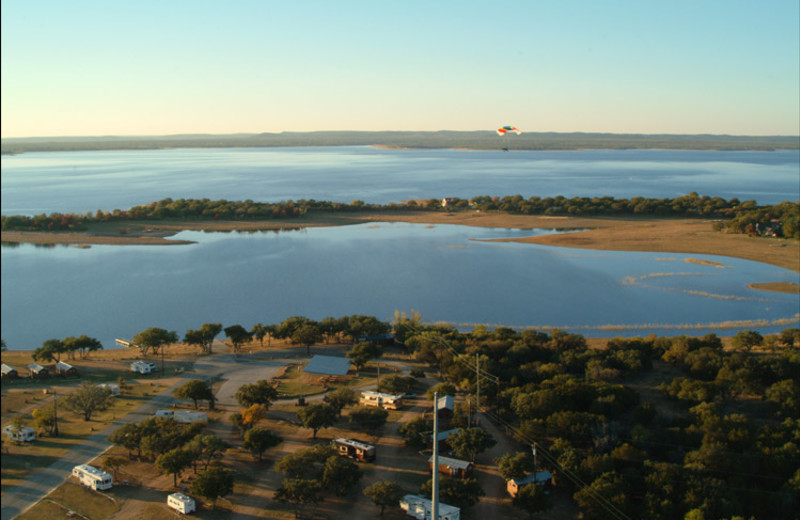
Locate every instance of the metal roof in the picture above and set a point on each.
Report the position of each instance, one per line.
(452, 463)
(328, 365)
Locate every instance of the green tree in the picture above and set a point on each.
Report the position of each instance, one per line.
(362, 353)
(261, 392)
(613, 489)
(129, 436)
(206, 448)
(82, 344)
(259, 331)
(203, 337)
(397, 384)
(340, 398)
(196, 390)
(340, 474)
(112, 463)
(50, 350)
(299, 493)
(747, 339)
(532, 498)
(469, 442)
(317, 416)
(153, 339)
(306, 463)
(462, 493)
(87, 399)
(413, 431)
(258, 440)
(174, 461)
(213, 483)
(517, 465)
(442, 389)
(385, 494)
(368, 418)
(238, 336)
(307, 335)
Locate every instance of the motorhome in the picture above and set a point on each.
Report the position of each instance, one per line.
(21, 434)
(93, 477)
(181, 503)
(354, 449)
(387, 401)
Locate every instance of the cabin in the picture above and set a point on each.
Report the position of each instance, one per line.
(65, 369)
(421, 508)
(93, 477)
(354, 449)
(181, 503)
(114, 389)
(9, 372)
(20, 434)
(387, 401)
(540, 478)
(38, 371)
(452, 467)
(446, 406)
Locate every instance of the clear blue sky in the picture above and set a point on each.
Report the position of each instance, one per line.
(168, 66)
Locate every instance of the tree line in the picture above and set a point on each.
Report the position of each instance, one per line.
(782, 220)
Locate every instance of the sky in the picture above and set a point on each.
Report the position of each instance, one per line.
(90, 68)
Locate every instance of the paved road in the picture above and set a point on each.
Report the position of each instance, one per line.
(238, 369)
(16, 499)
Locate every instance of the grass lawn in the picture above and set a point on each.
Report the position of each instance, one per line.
(72, 497)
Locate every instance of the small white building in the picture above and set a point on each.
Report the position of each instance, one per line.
(22, 434)
(181, 503)
(9, 372)
(93, 477)
(65, 369)
(421, 508)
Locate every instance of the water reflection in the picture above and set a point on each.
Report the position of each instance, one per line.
(443, 271)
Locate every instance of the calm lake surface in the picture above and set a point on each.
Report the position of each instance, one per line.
(34, 183)
(445, 272)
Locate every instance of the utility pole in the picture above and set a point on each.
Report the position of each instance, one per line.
(162, 359)
(535, 466)
(55, 413)
(478, 384)
(435, 476)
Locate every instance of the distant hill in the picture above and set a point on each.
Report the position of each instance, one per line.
(477, 140)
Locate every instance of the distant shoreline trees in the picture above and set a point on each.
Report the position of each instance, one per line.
(781, 220)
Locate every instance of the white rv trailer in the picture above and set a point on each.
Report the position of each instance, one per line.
(93, 477)
(387, 401)
(23, 434)
(181, 503)
(421, 508)
(183, 416)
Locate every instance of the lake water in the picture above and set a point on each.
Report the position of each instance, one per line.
(34, 183)
(444, 272)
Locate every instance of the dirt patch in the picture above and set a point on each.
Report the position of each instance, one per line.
(781, 287)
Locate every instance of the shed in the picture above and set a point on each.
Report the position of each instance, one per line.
(446, 406)
(65, 369)
(442, 437)
(540, 478)
(37, 370)
(421, 508)
(9, 372)
(327, 366)
(453, 467)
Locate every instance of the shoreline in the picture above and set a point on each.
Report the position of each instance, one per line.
(659, 235)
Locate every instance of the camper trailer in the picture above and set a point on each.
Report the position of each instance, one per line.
(114, 389)
(387, 401)
(93, 477)
(140, 367)
(181, 503)
(422, 509)
(354, 449)
(22, 434)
